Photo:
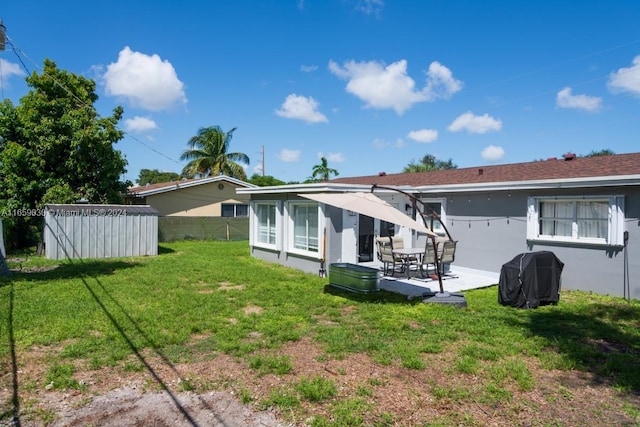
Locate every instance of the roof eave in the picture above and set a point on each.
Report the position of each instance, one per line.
(605, 181)
(316, 187)
(187, 184)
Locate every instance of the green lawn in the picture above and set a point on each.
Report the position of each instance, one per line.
(113, 314)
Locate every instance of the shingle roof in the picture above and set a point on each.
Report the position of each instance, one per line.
(149, 189)
(578, 167)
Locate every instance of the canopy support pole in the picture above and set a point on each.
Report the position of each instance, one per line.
(432, 214)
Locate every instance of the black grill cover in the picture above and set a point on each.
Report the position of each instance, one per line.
(530, 279)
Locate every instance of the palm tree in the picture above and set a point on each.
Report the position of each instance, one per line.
(207, 155)
(323, 171)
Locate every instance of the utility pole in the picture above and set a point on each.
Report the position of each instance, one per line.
(3, 33)
(263, 160)
(3, 40)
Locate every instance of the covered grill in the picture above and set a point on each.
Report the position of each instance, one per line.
(530, 279)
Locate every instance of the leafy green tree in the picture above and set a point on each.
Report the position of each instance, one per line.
(55, 148)
(154, 176)
(429, 163)
(264, 180)
(208, 155)
(597, 153)
(322, 171)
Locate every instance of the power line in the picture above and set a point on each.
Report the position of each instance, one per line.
(13, 48)
(547, 92)
(539, 70)
(80, 101)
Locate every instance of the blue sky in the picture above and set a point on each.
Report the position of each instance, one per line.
(371, 85)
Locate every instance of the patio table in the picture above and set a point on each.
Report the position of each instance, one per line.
(408, 255)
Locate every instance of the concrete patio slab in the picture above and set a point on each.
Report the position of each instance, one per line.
(457, 280)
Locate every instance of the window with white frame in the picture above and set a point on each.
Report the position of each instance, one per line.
(589, 220)
(234, 210)
(265, 214)
(304, 226)
(437, 206)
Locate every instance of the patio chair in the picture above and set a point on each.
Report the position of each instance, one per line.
(448, 253)
(390, 264)
(429, 258)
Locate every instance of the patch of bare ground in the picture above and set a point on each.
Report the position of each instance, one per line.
(156, 394)
(36, 269)
(226, 286)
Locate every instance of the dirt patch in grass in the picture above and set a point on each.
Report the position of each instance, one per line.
(218, 389)
(252, 309)
(35, 269)
(226, 286)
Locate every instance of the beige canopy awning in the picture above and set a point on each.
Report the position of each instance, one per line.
(371, 205)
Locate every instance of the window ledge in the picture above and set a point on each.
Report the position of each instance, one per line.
(586, 243)
(266, 247)
(304, 254)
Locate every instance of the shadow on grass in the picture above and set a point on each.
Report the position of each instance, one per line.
(95, 291)
(70, 270)
(89, 273)
(162, 250)
(602, 339)
(14, 411)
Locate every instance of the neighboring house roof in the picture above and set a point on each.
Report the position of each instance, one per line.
(570, 171)
(151, 189)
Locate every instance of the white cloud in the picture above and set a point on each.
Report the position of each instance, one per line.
(302, 108)
(565, 99)
(369, 7)
(440, 82)
(492, 153)
(332, 157)
(423, 135)
(289, 155)
(139, 124)
(9, 69)
(308, 68)
(389, 86)
(145, 81)
(475, 124)
(626, 79)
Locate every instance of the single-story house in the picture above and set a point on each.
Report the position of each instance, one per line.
(585, 210)
(211, 197)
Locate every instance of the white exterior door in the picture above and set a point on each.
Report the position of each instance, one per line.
(349, 237)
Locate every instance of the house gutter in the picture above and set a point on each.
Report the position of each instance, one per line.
(542, 184)
(622, 180)
(315, 188)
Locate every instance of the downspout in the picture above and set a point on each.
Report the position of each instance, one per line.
(625, 274)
